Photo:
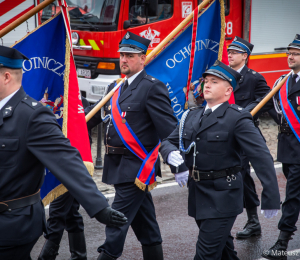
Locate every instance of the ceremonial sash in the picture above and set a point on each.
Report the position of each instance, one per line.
(146, 175)
(288, 110)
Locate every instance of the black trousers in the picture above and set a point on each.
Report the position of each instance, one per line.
(250, 196)
(20, 252)
(215, 241)
(291, 205)
(138, 207)
(63, 215)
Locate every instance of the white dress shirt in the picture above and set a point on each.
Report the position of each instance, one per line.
(132, 78)
(6, 99)
(212, 108)
(240, 69)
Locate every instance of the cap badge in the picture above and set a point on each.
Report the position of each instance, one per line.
(217, 62)
(127, 36)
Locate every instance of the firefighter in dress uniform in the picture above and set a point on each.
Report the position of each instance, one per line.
(30, 140)
(287, 105)
(139, 113)
(212, 138)
(64, 215)
(251, 87)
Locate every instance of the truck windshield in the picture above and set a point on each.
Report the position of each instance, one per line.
(84, 14)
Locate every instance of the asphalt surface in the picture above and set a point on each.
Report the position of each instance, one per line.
(179, 231)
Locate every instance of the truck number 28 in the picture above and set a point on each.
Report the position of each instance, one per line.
(228, 28)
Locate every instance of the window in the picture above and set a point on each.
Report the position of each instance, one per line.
(149, 11)
(87, 12)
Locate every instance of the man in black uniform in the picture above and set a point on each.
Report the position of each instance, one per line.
(218, 133)
(288, 152)
(145, 105)
(64, 214)
(251, 87)
(31, 139)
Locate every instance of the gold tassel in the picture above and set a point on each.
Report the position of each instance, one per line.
(118, 80)
(186, 105)
(141, 185)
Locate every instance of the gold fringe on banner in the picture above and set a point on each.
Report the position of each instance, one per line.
(66, 87)
(54, 194)
(222, 39)
(90, 167)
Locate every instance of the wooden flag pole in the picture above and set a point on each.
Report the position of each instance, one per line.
(25, 17)
(149, 56)
(270, 95)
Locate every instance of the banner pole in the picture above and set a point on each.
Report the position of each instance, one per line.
(270, 95)
(148, 58)
(25, 17)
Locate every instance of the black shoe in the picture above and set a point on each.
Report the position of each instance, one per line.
(49, 251)
(153, 252)
(252, 227)
(103, 256)
(279, 250)
(77, 246)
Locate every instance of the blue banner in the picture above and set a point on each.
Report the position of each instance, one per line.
(171, 66)
(43, 73)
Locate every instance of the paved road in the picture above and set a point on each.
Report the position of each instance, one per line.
(179, 231)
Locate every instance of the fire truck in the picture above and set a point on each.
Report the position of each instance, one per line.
(99, 25)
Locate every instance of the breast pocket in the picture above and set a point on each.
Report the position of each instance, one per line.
(217, 143)
(187, 137)
(8, 147)
(242, 96)
(132, 110)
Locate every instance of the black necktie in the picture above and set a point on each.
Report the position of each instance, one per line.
(205, 115)
(295, 76)
(125, 86)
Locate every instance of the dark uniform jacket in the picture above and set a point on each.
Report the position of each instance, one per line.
(149, 114)
(30, 139)
(219, 141)
(288, 145)
(252, 86)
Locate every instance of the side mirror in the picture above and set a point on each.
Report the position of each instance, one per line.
(126, 24)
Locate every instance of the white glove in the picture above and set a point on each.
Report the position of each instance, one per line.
(182, 178)
(269, 213)
(175, 158)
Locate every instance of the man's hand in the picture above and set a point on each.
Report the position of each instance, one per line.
(175, 158)
(182, 178)
(111, 217)
(269, 213)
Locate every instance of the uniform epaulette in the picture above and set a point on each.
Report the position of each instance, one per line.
(31, 102)
(150, 78)
(236, 107)
(253, 72)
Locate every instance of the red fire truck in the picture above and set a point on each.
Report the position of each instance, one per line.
(99, 25)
